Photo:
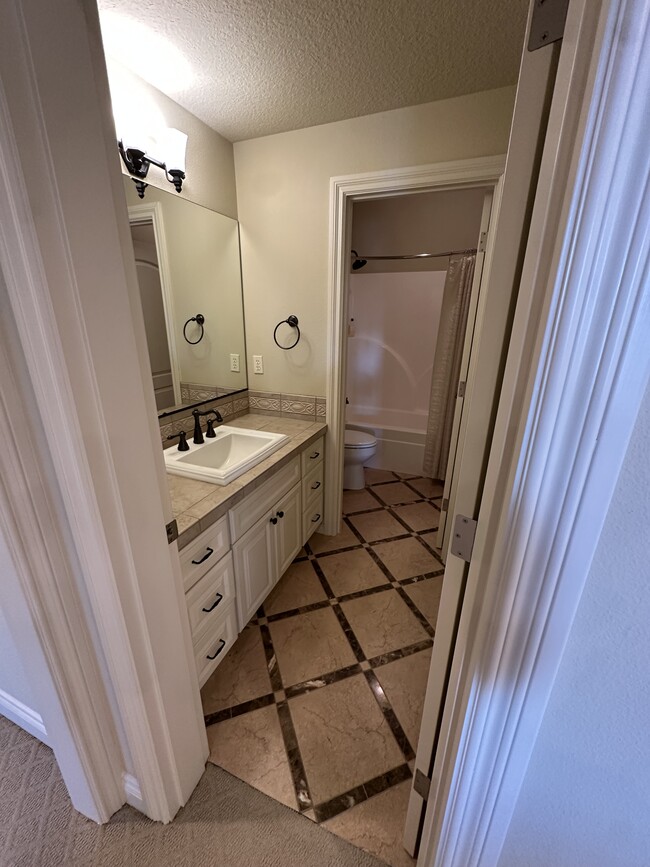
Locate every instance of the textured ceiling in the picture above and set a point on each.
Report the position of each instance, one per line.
(264, 66)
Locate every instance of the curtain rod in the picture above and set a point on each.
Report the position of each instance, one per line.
(418, 255)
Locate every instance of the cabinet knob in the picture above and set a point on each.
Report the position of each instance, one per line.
(274, 520)
(315, 486)
(315, 518)
(314, 456)
(280, 514)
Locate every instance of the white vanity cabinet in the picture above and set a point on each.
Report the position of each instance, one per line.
(267, 548)
(230, 568)
(209, 581)
(313, 476)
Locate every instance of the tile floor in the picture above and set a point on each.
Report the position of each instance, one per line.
(318, 703)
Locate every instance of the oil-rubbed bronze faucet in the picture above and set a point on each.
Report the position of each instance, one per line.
(198, 433)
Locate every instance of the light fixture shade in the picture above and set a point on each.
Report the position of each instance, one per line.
(173, 144)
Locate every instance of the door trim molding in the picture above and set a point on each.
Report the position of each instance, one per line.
(152, 211)
(345, 189)
(83, 560)
(576, 372)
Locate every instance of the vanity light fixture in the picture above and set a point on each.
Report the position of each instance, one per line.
(172, 143)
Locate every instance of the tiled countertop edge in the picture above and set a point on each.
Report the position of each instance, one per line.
(198, 517)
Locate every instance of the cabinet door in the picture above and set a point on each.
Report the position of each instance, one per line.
(288, 535)
(255, 569)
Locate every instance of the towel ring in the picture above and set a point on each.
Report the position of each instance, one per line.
(293, 322)
(199, 319)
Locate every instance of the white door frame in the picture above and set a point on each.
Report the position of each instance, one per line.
(344, 190)
(84, 501)
(152, 212)
(577, 370)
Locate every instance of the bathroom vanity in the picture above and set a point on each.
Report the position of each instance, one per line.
(237, 540)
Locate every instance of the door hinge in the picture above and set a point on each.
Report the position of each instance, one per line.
(462, 540)
(445, 505)
(421, 784)
(461, 389)
(172, 531)
(547, 23)
(481, 242)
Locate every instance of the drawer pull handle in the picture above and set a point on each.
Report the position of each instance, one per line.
(314, 456)
(316, 518)
(217, 652)
(274, 520)
(280, 514)
(205, 557)
(316, 486)
(214, 604)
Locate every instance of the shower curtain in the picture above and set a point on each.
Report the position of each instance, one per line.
(446, 364)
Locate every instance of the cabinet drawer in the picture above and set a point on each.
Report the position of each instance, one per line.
(312, 485)
(216, 643)
(210, 596)
(312, 518)
(312, 455)
(204, 551)
(259, 501)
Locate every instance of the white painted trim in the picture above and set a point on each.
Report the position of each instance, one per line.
(37, 329)
(133, 793)
(88, 598)
(23, 716)
(344, 190)
(152, 211)
(577, 370)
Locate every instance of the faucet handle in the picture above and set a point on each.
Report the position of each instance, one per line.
(182, 441)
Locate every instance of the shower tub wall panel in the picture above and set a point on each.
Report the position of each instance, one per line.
(400, 437)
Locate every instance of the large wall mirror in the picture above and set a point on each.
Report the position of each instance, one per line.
(188, 264)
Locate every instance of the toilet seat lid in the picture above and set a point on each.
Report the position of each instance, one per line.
(357, 439)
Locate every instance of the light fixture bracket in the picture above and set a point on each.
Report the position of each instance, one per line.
(137, 163)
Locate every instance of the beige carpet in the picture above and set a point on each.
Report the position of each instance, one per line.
(225, 824)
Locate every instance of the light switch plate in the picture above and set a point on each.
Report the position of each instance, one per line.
(258, 364)
(234, 362)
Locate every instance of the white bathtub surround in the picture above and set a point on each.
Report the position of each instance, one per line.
(288, 405)
(392, 340)
(446, 366)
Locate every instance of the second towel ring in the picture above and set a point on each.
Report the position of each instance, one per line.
(200, 320)
(293, 322)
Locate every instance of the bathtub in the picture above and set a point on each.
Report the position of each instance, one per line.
(400, 436)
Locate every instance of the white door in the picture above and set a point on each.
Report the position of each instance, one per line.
(448, 496)
(504, 256)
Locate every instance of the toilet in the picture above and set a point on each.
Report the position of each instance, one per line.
(359, 449)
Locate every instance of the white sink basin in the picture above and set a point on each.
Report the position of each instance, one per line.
(220, 460)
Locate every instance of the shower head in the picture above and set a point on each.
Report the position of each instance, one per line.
(358, 263)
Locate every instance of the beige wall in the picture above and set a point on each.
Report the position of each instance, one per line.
(210, 166)
(283, 203)
(421, 223)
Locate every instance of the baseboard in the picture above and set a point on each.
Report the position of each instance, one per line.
(132, 792)
(23, 716)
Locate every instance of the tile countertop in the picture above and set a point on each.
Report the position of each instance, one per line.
(196, 505)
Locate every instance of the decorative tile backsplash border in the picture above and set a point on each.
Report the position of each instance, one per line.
(229, 407)
(288, 405)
